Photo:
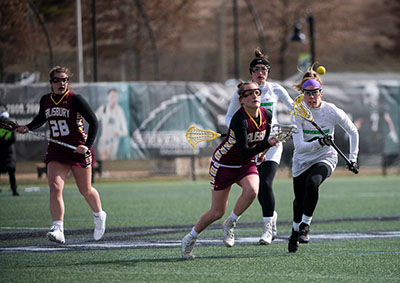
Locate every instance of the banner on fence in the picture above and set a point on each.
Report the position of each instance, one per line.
(147, 120)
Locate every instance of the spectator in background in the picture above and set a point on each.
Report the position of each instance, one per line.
(7, 152)
(113, 126)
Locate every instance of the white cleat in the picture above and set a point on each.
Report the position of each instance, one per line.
(266, 237)
(99, 225)
(187, 246)
(229, 236)
(274, 229)
(56, 234)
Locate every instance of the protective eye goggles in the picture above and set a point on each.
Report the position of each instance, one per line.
(57, 80)
(260, 69)
(249, 92)
(314, 92)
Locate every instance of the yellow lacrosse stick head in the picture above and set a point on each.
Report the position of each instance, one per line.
(300, 109)
(194, 135)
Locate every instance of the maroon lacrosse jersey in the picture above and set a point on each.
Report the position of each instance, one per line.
(227, 153)
(66, 125)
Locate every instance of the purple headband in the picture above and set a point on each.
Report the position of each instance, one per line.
(311, 82)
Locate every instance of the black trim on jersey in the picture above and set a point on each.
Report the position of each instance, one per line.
(239, 126)
(87, 113)
(39, 119)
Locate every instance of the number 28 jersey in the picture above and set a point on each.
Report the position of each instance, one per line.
(65, 123)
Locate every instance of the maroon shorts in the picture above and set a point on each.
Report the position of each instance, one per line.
(223, 177)
(66, 155)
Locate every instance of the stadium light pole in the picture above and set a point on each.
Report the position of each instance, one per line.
(94, 38)
(310, 19)
(79, 39)
(236, 40)
(298, 36)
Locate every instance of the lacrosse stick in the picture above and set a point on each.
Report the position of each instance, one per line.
(10, 125)
(283, 132)
(194, 135)
(301, 109)
(52, 140)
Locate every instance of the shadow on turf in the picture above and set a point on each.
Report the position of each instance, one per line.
(143, 231)
(134, 260)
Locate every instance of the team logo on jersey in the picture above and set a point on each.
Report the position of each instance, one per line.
(256, 136)
(57, 112)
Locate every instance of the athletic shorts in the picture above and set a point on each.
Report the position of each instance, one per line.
(223, 177)
(66, 155)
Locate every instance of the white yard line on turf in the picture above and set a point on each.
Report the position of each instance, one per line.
(206, 241)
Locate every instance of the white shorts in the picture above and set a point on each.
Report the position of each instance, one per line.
(274, 154)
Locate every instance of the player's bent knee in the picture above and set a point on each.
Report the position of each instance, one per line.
(251, 192)
(86, 193)
(217, 214)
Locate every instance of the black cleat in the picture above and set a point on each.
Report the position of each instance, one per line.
(304, 233)
(293, 243)
(14, 190)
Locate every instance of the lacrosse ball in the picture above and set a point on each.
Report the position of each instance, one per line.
(321, 70)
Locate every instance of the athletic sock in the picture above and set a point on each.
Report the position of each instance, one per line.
(306, 219)
(194, 233)
(234, 216)
(268, 219)
(296, 226)
(59, 223)
(97, 214)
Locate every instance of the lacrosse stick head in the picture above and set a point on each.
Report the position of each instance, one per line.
(194, 135)
(301, 109)
(283, 132)
(7, 124)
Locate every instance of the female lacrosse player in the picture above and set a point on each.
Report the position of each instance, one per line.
(270, 95)
(234, 162)
(314, 158)
(64, 111)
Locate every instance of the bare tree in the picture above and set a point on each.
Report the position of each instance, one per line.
(13, 25)
(347, 37)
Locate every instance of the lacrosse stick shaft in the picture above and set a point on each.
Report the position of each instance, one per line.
(302, 110)
(52, 140)
(333, 144)
(8, 124)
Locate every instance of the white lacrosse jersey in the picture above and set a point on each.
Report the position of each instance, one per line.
(307, 149)
(270, 95)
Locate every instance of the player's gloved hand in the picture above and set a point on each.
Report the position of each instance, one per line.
(353, 167)
(325, 140)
